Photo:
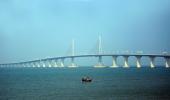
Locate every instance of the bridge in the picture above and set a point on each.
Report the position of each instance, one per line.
(59, 61)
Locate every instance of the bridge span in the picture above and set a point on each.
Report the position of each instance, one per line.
(59, 61)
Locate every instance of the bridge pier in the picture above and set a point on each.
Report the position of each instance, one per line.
(23, 65)
(49, 63)
(61, 63)
(138, 61)
(114, 62)
(28, 64)
(38, 64)
(72, 63)
(100, 63)
(42, 63)
(33, 65)
(167, 62)
(126, 65)
(46, 63)
(55, 63)
(152, 58)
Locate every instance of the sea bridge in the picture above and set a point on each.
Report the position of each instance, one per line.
(59, 61)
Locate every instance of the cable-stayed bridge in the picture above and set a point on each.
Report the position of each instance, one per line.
(59, 61)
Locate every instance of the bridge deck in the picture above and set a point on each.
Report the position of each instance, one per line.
(95, 55)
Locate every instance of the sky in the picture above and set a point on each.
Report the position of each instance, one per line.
(36, 29)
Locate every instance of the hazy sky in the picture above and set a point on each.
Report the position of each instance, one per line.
(32, 29)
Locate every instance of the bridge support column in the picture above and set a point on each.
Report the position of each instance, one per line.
(38, 64)
(28, 65)
(114, 62)
(33, 65)
(49, 63)
(126, 65)
(100, 63)
(152, 58)
(55, 63)
(43, 64)
(72, 63)
(138, 61)
(46, 63)
(167, 62)
(61, 63)
(23, 65)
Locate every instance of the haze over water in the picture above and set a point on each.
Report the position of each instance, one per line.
(38, 29)
(65, 83)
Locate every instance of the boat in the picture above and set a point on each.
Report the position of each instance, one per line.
(86, 79)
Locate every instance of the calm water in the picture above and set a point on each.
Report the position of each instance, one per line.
(65, 84)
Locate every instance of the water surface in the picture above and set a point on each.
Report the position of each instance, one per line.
(65, 84)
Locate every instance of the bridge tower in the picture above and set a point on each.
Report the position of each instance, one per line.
(72, 55)
(100, 62)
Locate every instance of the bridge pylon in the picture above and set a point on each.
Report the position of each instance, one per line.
(100, 62)
(72, 63)
(72, 54)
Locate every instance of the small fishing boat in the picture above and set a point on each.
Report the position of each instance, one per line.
(86, 79)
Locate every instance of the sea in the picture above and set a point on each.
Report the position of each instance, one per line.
(132, 83)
